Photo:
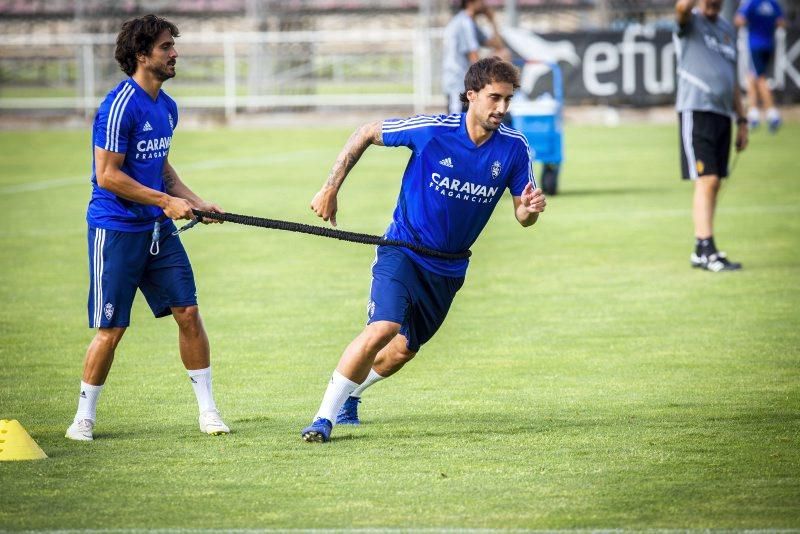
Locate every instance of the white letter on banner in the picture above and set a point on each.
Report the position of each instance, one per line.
(629, 48)
(784, 62)
(592, 66)
(668, 68)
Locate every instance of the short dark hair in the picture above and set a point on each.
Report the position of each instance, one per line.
(486, 71)
(138, 36)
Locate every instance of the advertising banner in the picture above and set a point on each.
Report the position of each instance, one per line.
(633, 67)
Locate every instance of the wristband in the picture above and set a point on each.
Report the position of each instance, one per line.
(740, 121)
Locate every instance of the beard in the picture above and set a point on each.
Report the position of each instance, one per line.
(163, 73)
(491, 126)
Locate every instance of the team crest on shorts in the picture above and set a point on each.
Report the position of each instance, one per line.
(700, 166)
(495, 169)
(370, 308)
(109, 310)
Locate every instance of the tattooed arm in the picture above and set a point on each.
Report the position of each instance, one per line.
(108, 169)
(176, 188)
(324, 202)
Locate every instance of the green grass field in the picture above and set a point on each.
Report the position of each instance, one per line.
(586, 377)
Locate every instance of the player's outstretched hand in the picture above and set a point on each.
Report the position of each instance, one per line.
(211, 207)
(178, 208)
(324, 204)
(533, 199)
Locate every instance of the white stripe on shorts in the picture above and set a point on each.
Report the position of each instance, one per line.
(687, 123)
(97, 260)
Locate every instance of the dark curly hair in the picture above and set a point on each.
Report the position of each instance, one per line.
(138, 36)
(486, 71)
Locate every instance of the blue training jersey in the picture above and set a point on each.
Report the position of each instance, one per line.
(130, 122)
(450, 187)
(761, 16)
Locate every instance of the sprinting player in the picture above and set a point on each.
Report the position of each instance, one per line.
(461, 45)
(708, 96)
(460, 165)
(761, 17)
(135, 194)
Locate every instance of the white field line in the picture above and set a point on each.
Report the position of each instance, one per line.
(259, 161)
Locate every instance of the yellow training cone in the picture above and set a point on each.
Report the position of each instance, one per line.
(16, 444)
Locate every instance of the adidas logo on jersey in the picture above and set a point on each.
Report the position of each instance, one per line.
(447, 162)
(147, 127)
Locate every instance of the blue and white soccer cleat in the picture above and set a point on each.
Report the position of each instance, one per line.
(775, 124)
(318, 432)
(348, 414)
(753, 119)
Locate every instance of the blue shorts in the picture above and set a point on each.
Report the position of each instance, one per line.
(760, 60)
(120, 262)
(405, 293)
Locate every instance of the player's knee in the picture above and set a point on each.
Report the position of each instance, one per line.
(403, 354)
(188, 318)
(109, 337)
(380, 333)
(708, 182)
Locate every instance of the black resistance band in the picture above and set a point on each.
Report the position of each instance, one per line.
(354, 237)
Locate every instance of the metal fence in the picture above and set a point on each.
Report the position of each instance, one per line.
(234, 71)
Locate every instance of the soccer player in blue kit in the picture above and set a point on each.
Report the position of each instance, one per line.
(762, 18)
(460, 165)
(135, 195)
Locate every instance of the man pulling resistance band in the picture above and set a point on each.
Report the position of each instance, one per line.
(459, 167)
(132, 239)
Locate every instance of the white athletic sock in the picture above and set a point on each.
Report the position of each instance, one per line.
(371, 379)
(201, 382)
(339, 388)
(87, 402)
(772, 114)
(753, 115)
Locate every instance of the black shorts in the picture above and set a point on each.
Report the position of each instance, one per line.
(705, 139)
(760, 61)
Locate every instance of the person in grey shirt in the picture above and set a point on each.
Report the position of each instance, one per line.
(708, 97)
(462, 41)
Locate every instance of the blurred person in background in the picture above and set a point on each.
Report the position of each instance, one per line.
(462, 42)
(761, 18)
(133, 243)
(708, 96)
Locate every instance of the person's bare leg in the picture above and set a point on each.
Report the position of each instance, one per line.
(196, 357)
(388, 361)
(706, 192)
(393, 357)
(753, 110)
(192, 338)
(704, 205)
(96, 366)
(358, 357)
(353, 368)
(765, 93)
(100, 355)
(772, 114)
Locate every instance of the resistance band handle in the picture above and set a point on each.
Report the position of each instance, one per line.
(353, 237)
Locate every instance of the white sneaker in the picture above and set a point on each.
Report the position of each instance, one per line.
(211, 423)
(81, 430)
